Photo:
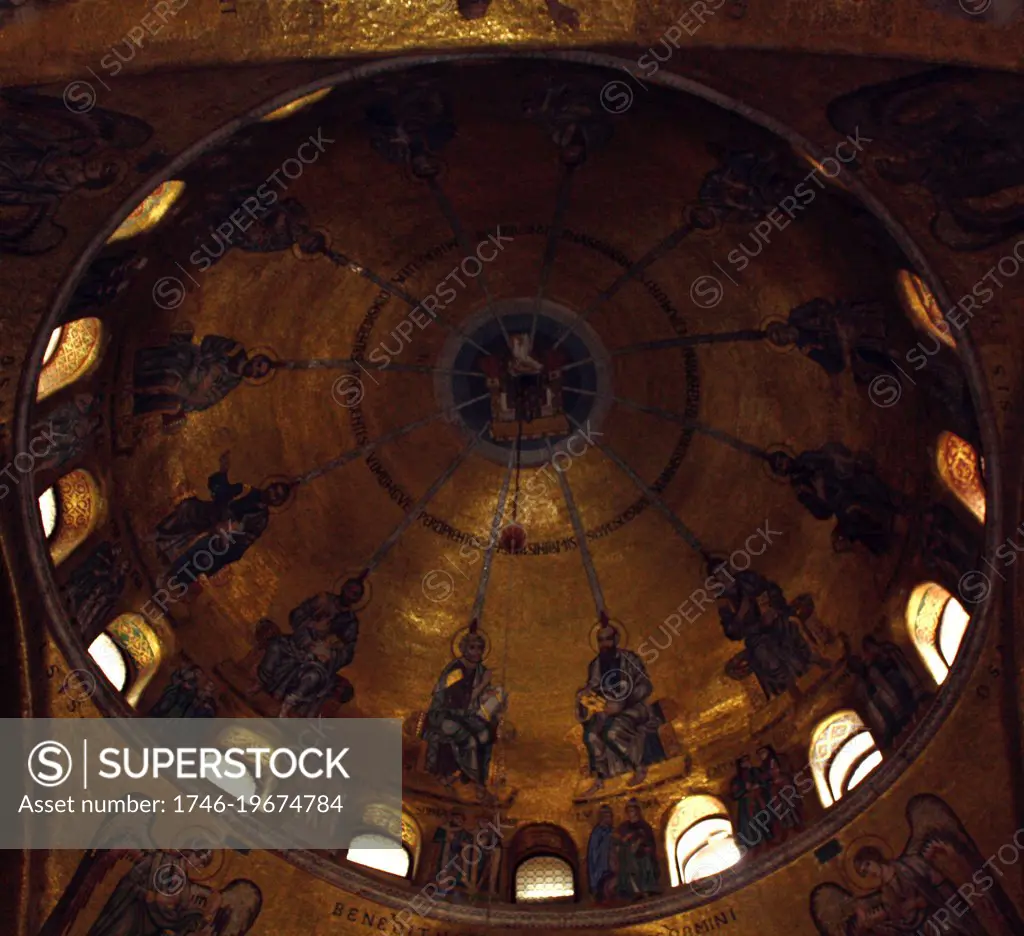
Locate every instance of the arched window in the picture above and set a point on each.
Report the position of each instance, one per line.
(150, 211)
(919, 303)
(129, 654)
(699, 839)
(843, 753)
(960, 470)
(298, 104)
(72, 352)
(544, 877)
(78, 508)
(937, 623)
(374, 850)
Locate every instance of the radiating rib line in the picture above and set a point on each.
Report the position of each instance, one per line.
(341, 260)
(551, 245)
(448, 210)
(716, 434)
(492, 544)
(689, 341)
(645, 261)
(652, 496)
(581, 538)
(351, 364)
(679, 341)
(362, 450)
(414, 514)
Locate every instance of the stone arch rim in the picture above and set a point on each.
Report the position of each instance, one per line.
(870, 790)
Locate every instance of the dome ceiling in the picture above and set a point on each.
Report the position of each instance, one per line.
(636, 369)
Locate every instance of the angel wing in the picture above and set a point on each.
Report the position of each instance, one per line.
(938, 836)
(240, 904)
(835, 910)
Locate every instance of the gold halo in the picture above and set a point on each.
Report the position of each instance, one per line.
(271, 479)
(271, 374)
(459, 634)
(613, 622)
(367, 587)
(767, 469)
(849, 872)
(204, 874)
(771, 345)
(300, 254)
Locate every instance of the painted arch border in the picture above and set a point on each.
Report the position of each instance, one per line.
(683, 900)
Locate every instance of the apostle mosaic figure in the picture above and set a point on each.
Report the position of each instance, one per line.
(185, 376)
(223, 527)
(410, 127)
(302, 669)
(834, 334)
(754, 610)
(48, 152)
(620, 727)
(462, 720)
(573, 119)
(832, 481)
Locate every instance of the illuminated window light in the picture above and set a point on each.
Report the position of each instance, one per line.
(48, 511)
(109, 657)
(706, 848)
(937, 623)
(919, 303)
(543, 878)
(863, 769)
(52, 345)
(297, 105)
(959, 469)
(381, 853)
(844, 760)
(150, 212)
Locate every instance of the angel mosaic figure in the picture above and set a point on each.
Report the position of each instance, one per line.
(158, 898)
(918, 891)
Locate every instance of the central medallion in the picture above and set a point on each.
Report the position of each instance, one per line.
(535, 373)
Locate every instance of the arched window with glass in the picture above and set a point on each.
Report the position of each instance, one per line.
(128, 653)
(843, 752)
(937, 623)
(960, 470)
(72, 351)
(382, 853)
(542, 878)
(69, 511)
(922, 308)
(699, 839)
(150, 211)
